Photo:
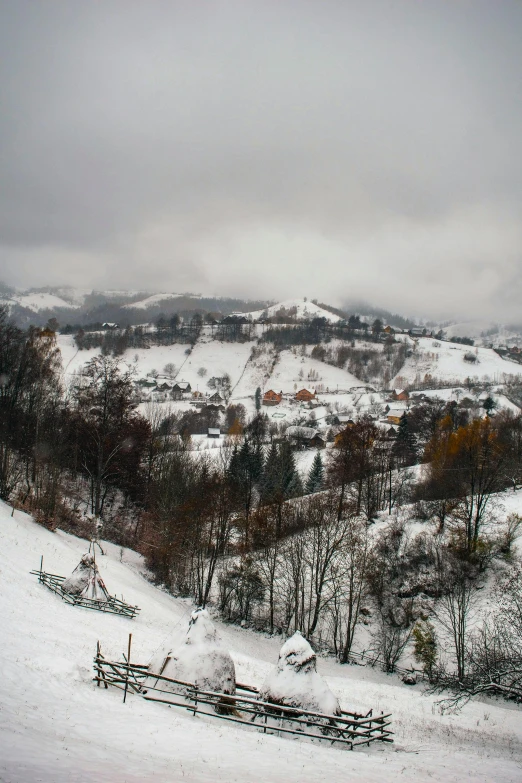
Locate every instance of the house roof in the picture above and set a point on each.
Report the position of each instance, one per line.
(396, 412)
(214, 431)
(304, 433)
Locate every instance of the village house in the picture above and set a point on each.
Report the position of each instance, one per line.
(303, 395)
(180, 389)
(400, 395)
(395, 415)
(308, 437)
(344, 418)
(272, 398)
(213, 432)
(216, 398)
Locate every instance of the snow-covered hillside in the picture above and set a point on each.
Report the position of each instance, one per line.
(58, 727)
(151, 301)
(298, 308)
(39, 301)
(446, 361)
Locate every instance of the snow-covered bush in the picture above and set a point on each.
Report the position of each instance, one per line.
(295, 681)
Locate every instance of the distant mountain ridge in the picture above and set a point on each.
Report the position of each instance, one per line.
(81, 306)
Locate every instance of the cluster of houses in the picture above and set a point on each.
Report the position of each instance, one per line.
(274, 398)
(163, 389)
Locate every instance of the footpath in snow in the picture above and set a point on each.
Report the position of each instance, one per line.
(56, 726)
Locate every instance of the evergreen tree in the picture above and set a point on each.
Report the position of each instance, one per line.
(295, 487)
(315, 478)
(280, 479)
(288, 485)
(405, 447)
(258, 399)
(269, 478)
(233, 467)
(489, 405)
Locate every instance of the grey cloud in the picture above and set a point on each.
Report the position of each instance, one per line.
(345, 148)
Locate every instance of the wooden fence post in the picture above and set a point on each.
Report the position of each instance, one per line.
(128, 664)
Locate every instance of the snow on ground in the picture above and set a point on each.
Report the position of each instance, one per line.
(256, 373)
(217, 358)
(459, 392)
(445, 361)
(150, 301)
(294, 371)
(302, 309)
(143, 359)
(72, 358)
(39, 300)
(469, 328)
(56, 726)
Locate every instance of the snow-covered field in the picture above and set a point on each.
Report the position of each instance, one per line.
(56, 726)
(151, 301)
(300, 309)
(39, 301)
(445, 362)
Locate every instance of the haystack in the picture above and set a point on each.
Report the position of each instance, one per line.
(200, 660)
(85, 581)
(295, 681)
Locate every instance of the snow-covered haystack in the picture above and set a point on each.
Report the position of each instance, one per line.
(201, 660)
(295, 681)
(85, 580)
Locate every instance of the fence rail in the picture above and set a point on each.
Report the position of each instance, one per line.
(369, 659)
(112, 605)
(243, 707)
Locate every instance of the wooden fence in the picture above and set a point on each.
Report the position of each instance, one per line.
(112, 605)
(244, 707)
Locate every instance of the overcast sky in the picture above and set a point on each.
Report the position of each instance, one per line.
(320, 148)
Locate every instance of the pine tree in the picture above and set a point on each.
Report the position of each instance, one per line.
(269, 477)
(280, 479)
(288, 486)
(315, 478)
(405, 447)
(233, 467)
(294, 487)
(258, 399)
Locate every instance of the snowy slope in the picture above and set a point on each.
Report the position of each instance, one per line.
(445, 361)
(150, 301)
(303, 309)
(294, 371)
(57, 727)
(216, 358)
(38, 300)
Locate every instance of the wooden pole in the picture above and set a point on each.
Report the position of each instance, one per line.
(128, 663)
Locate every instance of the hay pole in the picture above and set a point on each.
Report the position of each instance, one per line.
(128, 662)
